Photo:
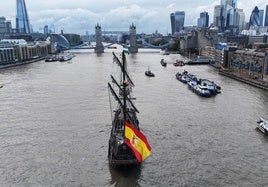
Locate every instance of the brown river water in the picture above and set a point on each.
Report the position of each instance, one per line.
(55, 123)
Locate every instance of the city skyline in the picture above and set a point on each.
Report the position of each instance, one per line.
(81, 16)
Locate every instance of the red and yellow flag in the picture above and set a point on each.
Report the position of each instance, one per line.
(136, 140)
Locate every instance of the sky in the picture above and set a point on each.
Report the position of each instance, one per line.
(149, 16)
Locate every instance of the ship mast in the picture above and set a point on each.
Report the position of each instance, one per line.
(124, 86)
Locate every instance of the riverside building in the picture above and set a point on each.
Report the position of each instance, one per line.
(19, 51)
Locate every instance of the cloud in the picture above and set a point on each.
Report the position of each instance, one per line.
(70, 20)
(82, 15)
(120, 18)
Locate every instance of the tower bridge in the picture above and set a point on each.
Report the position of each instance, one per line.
(144, 43)
(133, 48)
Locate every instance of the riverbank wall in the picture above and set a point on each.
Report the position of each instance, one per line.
(257, 83)
(21, 63)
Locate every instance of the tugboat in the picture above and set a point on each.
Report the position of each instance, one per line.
(127, 144)
(149, 73)
(163, 62)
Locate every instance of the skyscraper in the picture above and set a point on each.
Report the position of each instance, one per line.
(228, 13)
(218, 17)
(254, 20)
(172, 21)
(266, 16)
(179, 20)
(22, 20)
(239, 20)
(261, 14)
(2, 25)
(203, 21)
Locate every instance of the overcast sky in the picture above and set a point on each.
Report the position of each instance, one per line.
(79, 16)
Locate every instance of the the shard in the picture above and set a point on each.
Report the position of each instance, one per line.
(22, 19)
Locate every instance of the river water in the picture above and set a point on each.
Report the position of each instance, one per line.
(55, 122)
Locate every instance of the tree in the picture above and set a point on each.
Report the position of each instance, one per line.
(175, 46)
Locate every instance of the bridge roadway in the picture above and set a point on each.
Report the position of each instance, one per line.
(144, 43)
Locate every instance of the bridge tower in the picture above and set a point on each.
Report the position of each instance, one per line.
(133, 41)
(99, 46)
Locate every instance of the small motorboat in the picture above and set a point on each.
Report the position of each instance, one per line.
(262, 125)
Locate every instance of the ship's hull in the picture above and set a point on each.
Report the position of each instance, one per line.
(121, 155)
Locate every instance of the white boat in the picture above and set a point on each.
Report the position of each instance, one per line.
(66, 57)
(164, 52)
(1, 85)
(262, 125)
(211, 86)
(199, 60)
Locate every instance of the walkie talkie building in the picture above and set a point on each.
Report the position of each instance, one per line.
(22, 19)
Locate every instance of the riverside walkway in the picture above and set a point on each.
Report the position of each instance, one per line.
(254, 82)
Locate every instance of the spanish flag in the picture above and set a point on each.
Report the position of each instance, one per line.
(136, 140)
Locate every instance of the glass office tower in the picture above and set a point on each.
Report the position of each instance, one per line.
(203, 21)
(229, 7)
(261, 14)
(179, 21)
(22, 19)
(172, 21)
(219, 20)
(266, 16)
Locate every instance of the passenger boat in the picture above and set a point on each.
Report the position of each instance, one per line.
(198, 89)
(178, 63)
(210, 85)
(51, 58)
(184, 77)
(262, 125)
(66, 57)
(199, 61)
(202, 87)
(163, 62)
(128, 146)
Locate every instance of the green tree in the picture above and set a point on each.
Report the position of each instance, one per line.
(175, 46)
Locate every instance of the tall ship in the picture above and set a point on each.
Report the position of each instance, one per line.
(127, 144)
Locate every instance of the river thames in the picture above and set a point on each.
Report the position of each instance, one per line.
(56, 121)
